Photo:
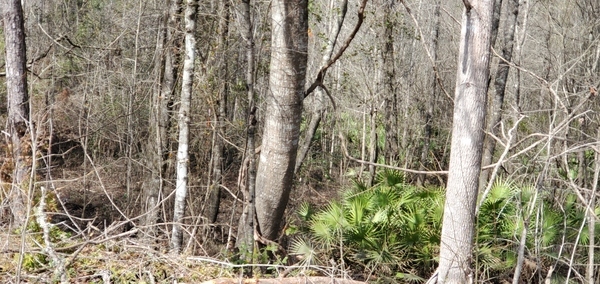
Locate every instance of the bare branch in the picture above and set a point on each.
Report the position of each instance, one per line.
(438, 78)
(345, 150)
(318, 82)
(468, 5)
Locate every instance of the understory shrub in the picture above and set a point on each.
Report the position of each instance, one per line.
(392, 229)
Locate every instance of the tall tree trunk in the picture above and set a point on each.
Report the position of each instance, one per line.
(168, 58)
(319, 97)
(181, 185)
(427, 131)
(18, 104)
(372, 145)
(458, 225)
(211, 209)
(389, 91)
(245, 238)
(500, 86)
(289, 41)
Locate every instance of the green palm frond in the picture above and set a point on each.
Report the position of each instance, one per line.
(389, 177)
(501, 190)
(305, 251)
(383, 197)
(323, 232)
(552, 225)
(410, 278)
(357, 209)
(305, 212)
(333, 216)
(526, 195)
(328, 224)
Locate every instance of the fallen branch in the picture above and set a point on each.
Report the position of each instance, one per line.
(291, 280)
(345, 150)
(57, 261)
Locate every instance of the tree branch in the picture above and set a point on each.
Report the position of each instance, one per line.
(468, 5)
(345, 150)
(318, 82)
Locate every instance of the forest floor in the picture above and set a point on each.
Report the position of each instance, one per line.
(97, 234)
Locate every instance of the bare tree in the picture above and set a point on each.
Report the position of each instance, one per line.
(432, 82)
(319, 96)
(18, 104)
(458, 226)
(500, 79)
(211, 208)
(387, 80)
(166, 66)
(245, 238)
(181, 186)
(289, 44)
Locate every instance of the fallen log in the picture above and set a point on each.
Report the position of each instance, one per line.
(290, 280)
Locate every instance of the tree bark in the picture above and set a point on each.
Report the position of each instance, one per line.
(319, 96)
(18, 105)
(181, 189)
(245, 238)
(372, 145)
(211, 210)
(427, 131)
(500, 87)
(458, 225)
(289, 40)
(389, 91)
(168, 58)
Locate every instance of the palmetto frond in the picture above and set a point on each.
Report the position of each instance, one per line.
(391, 178)
(305, 251)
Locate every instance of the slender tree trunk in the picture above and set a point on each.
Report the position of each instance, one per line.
(181, 185)
(520, 33)
(18, 105)
(521, 251)
(289, 40)
(591, 220)
(389, 91)
(458, 225)
(213, 199)
(372, 145)
(166, 65)
(427, 131)
(319, 96)
(497, 106)
(245, 238)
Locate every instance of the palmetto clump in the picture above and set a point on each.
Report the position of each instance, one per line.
(392, 229)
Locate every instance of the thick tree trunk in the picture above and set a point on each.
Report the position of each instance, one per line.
(289, 40)
(181, 188)
(18, 104)
(458, 225)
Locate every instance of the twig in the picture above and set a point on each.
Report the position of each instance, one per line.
(499, 163)
(438, 78)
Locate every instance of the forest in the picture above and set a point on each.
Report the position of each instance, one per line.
(299, 141)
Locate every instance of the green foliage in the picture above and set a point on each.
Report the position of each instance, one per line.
(32, 261)
(383, 228)
(395, 227)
